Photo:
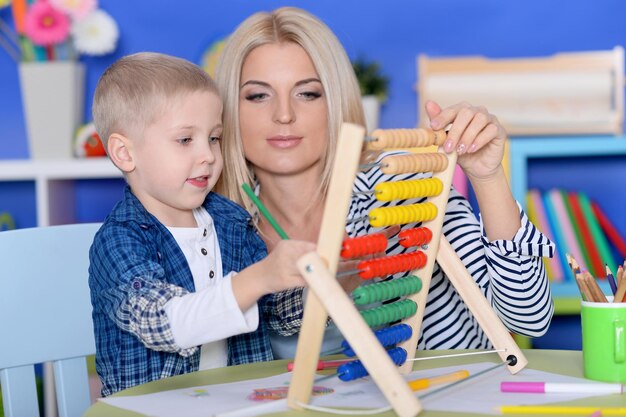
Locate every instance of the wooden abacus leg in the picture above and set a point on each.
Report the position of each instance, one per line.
(307, 354)
(353, 327)
(491, 324)
(331, 235)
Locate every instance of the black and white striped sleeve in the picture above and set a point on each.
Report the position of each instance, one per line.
(510, 274)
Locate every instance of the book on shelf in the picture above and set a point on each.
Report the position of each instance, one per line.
(577, 226)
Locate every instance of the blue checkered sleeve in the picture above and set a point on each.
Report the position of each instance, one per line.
(135, 290)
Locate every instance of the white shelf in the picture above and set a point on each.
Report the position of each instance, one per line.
(64, 169)
(54, 183)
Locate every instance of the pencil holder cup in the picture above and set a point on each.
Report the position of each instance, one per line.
(604, 341)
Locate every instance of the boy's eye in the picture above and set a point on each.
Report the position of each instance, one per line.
(184, 141)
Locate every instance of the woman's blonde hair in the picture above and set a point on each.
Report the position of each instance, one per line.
(286, 24)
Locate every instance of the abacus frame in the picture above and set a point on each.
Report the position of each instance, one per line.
(327, 298)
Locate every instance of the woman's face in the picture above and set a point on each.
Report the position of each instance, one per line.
(282, 110)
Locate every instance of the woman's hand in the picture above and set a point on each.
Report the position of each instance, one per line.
(479, 140)
(476, 134)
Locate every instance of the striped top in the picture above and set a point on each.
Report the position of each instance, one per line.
(510, 274)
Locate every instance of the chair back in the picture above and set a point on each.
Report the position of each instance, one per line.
(45, 315)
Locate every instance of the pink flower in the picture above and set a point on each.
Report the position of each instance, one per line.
(77, 9)
(45, 25)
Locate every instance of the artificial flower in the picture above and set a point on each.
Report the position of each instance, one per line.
(77, 9)
(96, 34)
(45, 25)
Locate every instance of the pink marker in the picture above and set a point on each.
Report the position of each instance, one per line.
(562, 387)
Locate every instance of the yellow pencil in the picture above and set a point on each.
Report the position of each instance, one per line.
(561, 410)
(423, 383)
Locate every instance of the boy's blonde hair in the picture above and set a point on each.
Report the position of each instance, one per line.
(287, 24)
(134, 91)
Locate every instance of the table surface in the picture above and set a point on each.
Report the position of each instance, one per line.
(565, 362)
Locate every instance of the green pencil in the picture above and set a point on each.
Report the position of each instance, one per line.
(264, 211)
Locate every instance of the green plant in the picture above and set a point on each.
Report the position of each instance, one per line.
(371, 80)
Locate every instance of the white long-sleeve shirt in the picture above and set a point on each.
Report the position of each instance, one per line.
(210, 315)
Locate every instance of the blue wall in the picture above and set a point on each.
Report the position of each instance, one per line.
(393, 32)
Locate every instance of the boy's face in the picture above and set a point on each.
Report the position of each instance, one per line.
(178, 160)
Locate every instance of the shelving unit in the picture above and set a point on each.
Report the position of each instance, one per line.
(523, 150)
(54, 181)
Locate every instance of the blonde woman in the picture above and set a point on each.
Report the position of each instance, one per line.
(287, 85)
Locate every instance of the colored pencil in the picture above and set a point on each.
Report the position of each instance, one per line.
(562, 410)
(321, 365)
(585, 292)
(611, 279)
(571, 261)
(596, 292)
(13, 52)
(264, 211)
(621, 290)
(423, 383)
(583, 288)
(19, 9)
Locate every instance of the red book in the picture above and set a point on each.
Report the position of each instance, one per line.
(596, 264)
(609, 229)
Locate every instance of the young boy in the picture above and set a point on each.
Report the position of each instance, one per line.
(166, 299)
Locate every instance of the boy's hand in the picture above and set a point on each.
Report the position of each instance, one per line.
(277, 272)
(280, 269)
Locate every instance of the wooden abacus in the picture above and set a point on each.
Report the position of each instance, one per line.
(327, 298)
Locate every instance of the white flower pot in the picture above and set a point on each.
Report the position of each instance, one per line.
(53, 95)
(371, 107)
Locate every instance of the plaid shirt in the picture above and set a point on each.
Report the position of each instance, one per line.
(136, 266)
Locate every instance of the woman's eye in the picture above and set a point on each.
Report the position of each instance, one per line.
(184, 141)
(256, 96)
(214, 139)
(310, 95)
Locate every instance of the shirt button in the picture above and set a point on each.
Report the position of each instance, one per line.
(204, 233)
(211, 274)
(204, 252)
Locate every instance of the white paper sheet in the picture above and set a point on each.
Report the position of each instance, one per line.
(480, 394)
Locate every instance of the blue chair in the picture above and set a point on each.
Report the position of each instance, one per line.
(45, 316)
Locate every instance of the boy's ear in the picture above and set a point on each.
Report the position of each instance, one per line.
(120, 150)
